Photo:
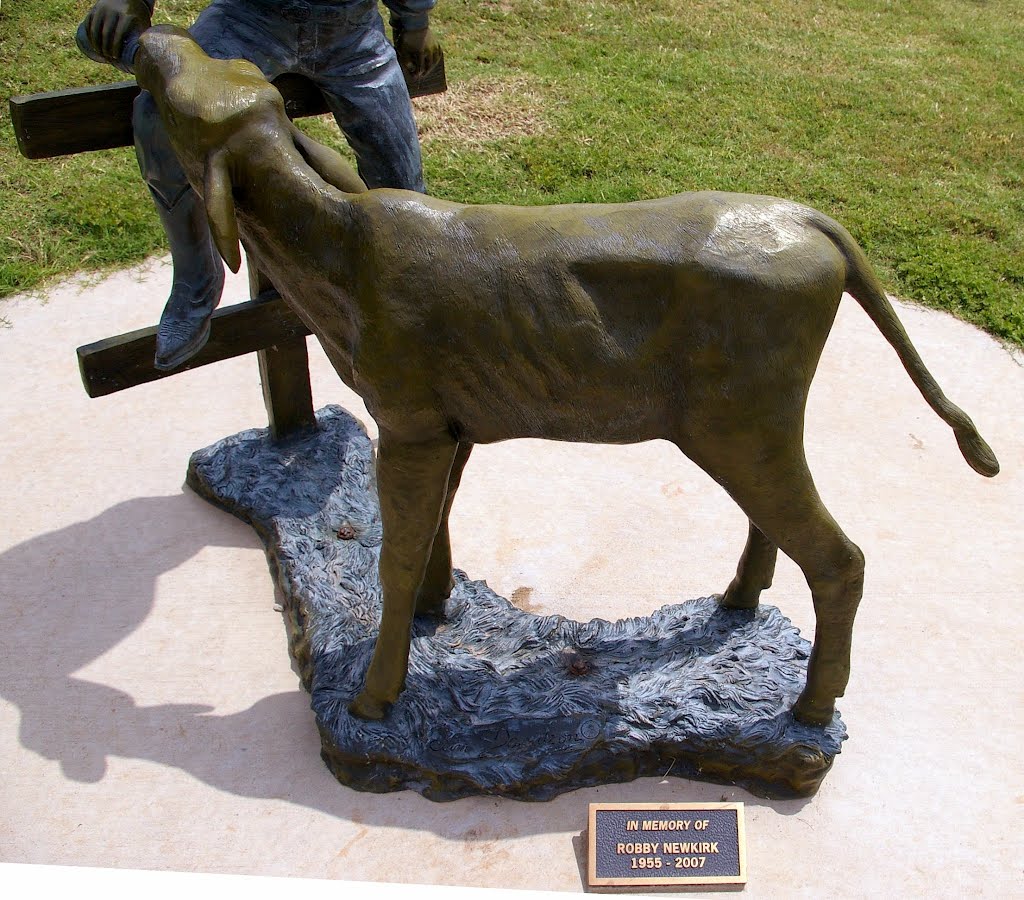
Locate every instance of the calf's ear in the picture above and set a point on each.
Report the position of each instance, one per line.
(327, 163)
(220, 208)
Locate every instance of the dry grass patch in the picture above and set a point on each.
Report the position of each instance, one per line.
(482, 110)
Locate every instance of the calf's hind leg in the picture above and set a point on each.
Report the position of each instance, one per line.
(793, 516)
(834, 568)
(780, 499)
(753, 574)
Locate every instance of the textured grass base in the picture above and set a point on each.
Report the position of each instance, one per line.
(500, 701)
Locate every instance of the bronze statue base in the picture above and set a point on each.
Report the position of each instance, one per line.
(500, 701)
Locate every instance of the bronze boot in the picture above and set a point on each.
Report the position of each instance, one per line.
(197, 284)
(198, 272)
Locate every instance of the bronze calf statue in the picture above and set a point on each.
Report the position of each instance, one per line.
(697, 318)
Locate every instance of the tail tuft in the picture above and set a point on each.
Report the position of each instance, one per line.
(867, 290)
(977, 453)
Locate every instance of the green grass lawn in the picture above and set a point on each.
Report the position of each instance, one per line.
(904, 119)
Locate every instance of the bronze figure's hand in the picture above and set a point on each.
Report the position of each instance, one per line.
(109, 24)
(418, 51)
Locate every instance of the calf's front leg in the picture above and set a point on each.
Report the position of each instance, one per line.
(412, 484)
(437, 582)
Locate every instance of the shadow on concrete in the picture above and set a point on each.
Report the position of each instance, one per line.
(71, 595)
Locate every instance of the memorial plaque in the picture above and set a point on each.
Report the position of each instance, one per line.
(635, 844)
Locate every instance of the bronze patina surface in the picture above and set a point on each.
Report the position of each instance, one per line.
(697, 318)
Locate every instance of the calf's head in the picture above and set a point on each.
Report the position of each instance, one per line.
(223, 116)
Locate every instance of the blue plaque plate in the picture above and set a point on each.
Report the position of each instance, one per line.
(666, 843)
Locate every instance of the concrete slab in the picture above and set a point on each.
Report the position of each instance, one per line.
(150, 718)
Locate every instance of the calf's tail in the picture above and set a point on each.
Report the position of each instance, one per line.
(864, 286)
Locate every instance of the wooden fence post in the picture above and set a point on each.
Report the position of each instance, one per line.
(284, 374)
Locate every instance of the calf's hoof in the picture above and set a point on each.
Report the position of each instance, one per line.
(433, 610)
(810, 712)
(431, 601)
(736, 598)
(367, 707)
